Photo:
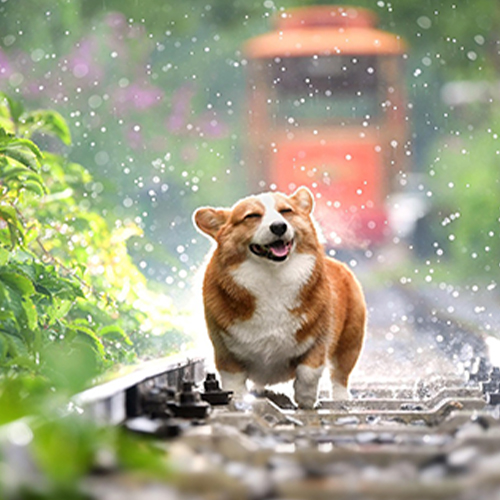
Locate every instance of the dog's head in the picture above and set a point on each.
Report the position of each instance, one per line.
(269, 226)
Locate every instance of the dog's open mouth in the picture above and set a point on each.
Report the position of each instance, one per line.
(277, 251)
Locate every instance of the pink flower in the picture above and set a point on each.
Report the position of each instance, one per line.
(181, 108)
(211, 125)
(116, 21)
(135, 138)
(82, 62)
(5, 65)
(137, 97)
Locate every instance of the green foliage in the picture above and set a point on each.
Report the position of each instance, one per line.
(65, 277)
(38, 294)
(64, 449)
(77, 444)
(72, 303)
(465, 173)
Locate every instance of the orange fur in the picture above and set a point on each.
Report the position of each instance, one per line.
(325, 319)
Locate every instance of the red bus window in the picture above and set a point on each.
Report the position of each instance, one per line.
(325, 89)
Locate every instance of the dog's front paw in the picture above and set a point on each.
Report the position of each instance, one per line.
(340, 392)
(235, 382)
(305, 401)
(306, 386)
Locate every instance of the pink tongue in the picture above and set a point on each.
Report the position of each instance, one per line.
(279, 249)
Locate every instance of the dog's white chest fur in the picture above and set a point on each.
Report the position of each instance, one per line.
(266, 342)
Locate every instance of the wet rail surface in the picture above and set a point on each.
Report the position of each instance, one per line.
(423, 422)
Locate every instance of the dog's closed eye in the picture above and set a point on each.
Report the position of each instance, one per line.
(253, 215)
(286, 211)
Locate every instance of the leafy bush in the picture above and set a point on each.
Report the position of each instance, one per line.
(66, 279)
(465, 173)
(72, 304)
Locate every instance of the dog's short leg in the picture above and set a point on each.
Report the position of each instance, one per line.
(306, 385)
(345, 353)
(339, 392)
(232, 374)
(235, 382)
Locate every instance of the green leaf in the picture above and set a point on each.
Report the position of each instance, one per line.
(4, 256)
(4, 347)
(16, 108)
(4, 296)
(23, 156)
(88, 335)
(5, 121)
(18, 142)
(5, 136)
(24, 316)
(22, 395)
(58, 310)
(64, 450)
(8, 213)
(19, 288)
(15, 173)
(49, 282)
(5, 316)
(47, 122)
(16, 231)
(30, 313)
(16, 281)
(15, 346)
(27, 179)
(115, 333)
(34, 187)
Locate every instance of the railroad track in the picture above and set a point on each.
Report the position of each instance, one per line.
(423, 423)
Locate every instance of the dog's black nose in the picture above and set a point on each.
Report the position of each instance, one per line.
(278, 228)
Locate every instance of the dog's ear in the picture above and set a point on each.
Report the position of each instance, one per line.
(304, 199)
(210, 220)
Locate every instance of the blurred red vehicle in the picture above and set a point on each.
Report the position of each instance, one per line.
(327, 109)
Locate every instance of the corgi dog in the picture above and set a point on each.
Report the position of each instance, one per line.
(276, 307)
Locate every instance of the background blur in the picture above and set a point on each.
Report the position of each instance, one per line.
(154, 95)
(99, 262)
